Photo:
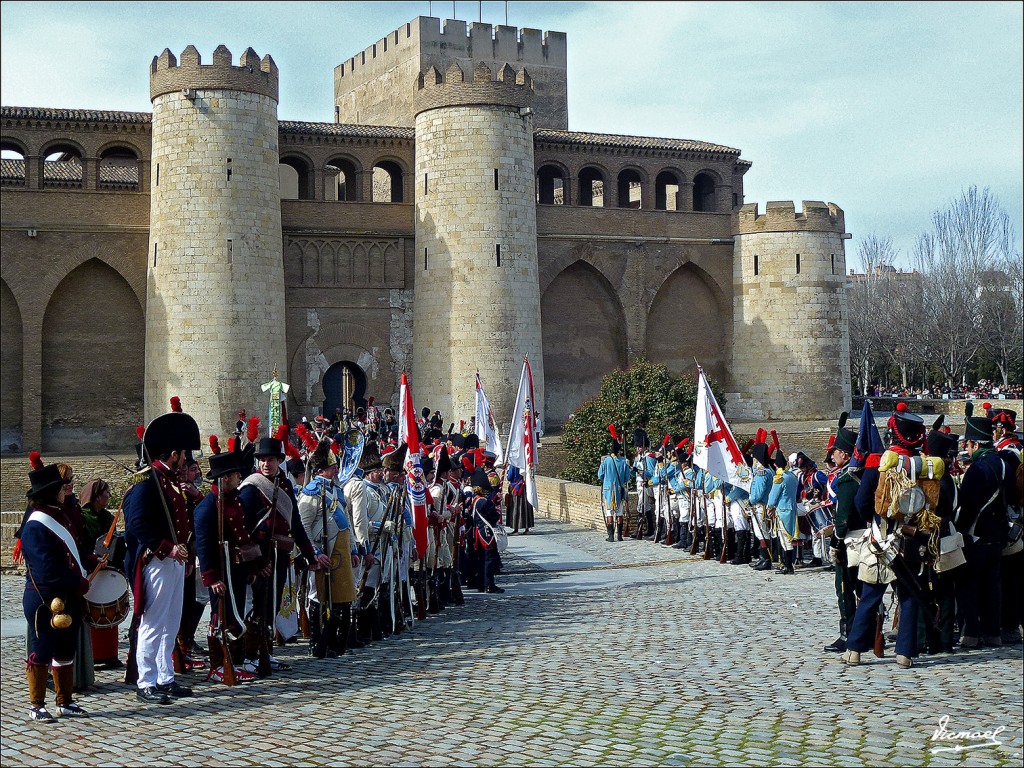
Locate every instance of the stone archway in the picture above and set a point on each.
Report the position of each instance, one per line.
(583, 328)
(688, 320)
(11, 370)
(93, 357)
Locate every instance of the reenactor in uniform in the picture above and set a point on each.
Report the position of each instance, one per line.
(985, 490)
(614, 474)
(272, 517)
(367, 507)
(485, 512)
(843, 484)
(1004, 438)
(715, 506)
(737, 500)
(643, 467)
(760, 488)
(659, 483)
(226, 573)
(682, 486)
(782, 508)
(331, 590)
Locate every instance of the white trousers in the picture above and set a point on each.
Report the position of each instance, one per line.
(617, 512)
(164, 585)
(739, 520)
(683, 506)
(662, 502)
(716, 511)
(757, 523)
(644, 496)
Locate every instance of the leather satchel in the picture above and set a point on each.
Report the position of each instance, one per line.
(246, 553)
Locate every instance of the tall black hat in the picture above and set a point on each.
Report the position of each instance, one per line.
(174, 431)
(427, 465)
(471, 442)
(458, 440)
(978, 429)
(1004, 416)
(780, 460)
(425, 412)
(294, 467)
(224, 463)
(270, 447)
(444, 461)
(846, 439)
(481, 480)
(44, 481)
(322, 457)
(640, 438)
(616, 445)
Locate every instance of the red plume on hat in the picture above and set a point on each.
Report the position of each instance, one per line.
(214, 444)
(308, 438)
(291, 451)
(140, 431)
(35, 460)
(831, 442)
(241, 414)
(232, 444)
(762, 435)
(253, 430)
(902, 407)
(176, 404)
(371, 401)
(612, 432)
(281, 433)
(987, 406)
(666, 441)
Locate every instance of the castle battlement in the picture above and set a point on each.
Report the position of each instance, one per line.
(440, 41)
(781, 216)
(508, 88)
(168, 74)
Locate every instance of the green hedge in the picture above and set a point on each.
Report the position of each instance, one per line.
(645, 395)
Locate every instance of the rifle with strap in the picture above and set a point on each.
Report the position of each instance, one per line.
(693, 520)
(222, 637)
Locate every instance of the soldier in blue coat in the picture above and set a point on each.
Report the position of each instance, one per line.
(614, 474)
(782, 504)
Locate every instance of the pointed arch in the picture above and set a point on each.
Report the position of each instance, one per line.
(689, 318)
(12, 370)
(94, 336)
(583, 327)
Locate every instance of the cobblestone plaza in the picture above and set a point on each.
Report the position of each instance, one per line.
(597, 654)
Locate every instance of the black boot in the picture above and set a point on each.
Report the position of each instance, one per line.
(737, 557)
(337, 636)
(618, 528)
(611, 532)
(433, 601)
(317, 635)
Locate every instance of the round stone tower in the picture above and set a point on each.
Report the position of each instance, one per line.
(477, 291)
(791, 345)
(215, 320)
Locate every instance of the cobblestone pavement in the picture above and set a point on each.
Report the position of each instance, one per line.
(598, 654)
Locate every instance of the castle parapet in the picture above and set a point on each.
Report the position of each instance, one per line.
(781, 216)
(453, 88)
(252, 75)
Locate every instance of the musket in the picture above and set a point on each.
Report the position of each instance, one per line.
(456, 576)
(229, 665)
(693, 520)
(707, 528)
(725, 533)
(326, 600)
(122, 465)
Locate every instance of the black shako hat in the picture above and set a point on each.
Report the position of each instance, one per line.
(444, 461)
(640, 439)
(44, 481)
(978, 429)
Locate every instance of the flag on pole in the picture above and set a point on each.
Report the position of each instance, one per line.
(869, 448)
(715, 450)
(485, 428)
(522, 439)
(415, 482)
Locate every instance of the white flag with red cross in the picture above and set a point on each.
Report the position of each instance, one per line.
(715, 450)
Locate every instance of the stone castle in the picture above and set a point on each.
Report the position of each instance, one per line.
(446, 222)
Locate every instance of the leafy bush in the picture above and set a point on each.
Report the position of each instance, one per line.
(647, 396)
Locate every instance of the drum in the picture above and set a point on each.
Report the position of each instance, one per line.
(822, 522)
(106, 602)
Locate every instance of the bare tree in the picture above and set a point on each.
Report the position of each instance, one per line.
(1002, 309)
(965, 243)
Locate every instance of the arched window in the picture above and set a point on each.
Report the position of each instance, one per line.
(62, 167)
(550, 186)
(388, 182)
(666, 191)
(704, 193)
(630, 194)
(119, 170)
(591, 187)
(296, 179)
(12, 165)
(347, 183)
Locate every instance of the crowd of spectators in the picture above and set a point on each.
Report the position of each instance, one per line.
(983, 389)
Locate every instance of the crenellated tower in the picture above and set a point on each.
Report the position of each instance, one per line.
(477, 293)
(791, 345)
(215, 317)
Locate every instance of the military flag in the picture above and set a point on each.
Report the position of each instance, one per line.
(415, 482)
(715, 450)
(485, 428)
(522, 439)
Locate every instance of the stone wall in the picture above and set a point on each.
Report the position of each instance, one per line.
(567, 502)
(791, 346)
(477, 295)
(215, 319)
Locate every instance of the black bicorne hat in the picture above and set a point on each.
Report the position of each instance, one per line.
(370, 460)
(174, 431)
(780, 460)
(481, 480)
(44, 481)
(471, 442)
(427, 464)
(395, 460)
(270, 447)
(294, 467)
(1004, 416)
(640, 439)
(760, 454)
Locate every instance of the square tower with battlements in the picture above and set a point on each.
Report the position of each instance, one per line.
(375, 87)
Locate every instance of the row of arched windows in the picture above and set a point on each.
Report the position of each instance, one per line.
(671, 193)
(117, 168)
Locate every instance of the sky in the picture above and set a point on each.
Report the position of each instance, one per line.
(889, 110)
